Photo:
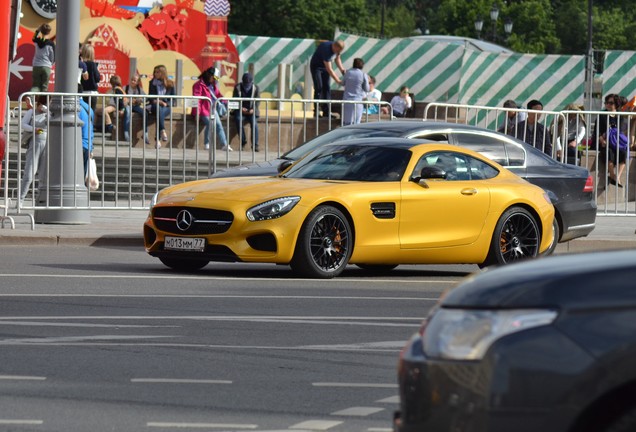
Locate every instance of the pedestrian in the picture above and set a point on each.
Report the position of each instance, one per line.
(572, 137)
(512, 117)
(34, 123)
(43, 59)
(116, 105)
(402, 102)
(531, 131)
(90, 84)
(356, 87)
(248, 111)
(605, 126)
(87, 116)
(135, 104)
(205, 111)
(159, 108)
(322, 72)
(373, 95)
(82, 70)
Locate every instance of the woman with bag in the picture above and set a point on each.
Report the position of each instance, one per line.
(136, 105)
(607, 125)
(207, 86)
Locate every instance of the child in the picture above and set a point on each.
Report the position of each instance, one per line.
(34, 125)
(116, 104)
(402, 102)
(43, 59)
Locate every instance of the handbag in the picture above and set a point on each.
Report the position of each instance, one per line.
(616, 139)
(221, 109)
(92, 180)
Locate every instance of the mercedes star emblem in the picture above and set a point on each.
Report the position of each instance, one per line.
(184, 220)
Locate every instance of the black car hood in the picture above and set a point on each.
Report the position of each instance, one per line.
(577, 281)
(266, 168)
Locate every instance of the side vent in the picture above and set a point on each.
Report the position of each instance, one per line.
(383, 210)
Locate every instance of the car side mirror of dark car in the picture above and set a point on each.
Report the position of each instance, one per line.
(284, 165)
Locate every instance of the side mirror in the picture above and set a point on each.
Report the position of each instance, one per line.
(429, 173)
(284, 165)
(432, 172)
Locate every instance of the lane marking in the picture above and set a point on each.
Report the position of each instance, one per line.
(316, 425)
(195, 346)
(21, 422)
(187, 296)
(178, 381)
(357, 411)
(338, 281)
(391, 400)
(75, 339)
(58, 324)
(20, 377)
(210, 318)
(201, 425)
(380, 430)
(352, 385)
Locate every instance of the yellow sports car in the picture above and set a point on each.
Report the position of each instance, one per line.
(376, 203)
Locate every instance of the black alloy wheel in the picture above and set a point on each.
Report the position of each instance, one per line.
(324, 245)
(516, 238)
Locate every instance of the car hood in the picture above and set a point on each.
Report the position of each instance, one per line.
(266, 168)
(244, 189)
(578, 281)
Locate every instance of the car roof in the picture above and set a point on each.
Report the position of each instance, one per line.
(417, 125)
(404, 143)
(600, 279)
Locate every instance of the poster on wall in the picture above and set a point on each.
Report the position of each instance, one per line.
(151, 32)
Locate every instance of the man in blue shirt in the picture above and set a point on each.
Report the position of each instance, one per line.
(322, 72)
(88, 117)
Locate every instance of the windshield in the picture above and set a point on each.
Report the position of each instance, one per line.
(353, 163)
(339, 134)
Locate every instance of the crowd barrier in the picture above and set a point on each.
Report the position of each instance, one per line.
(562, 127)
(135, 159)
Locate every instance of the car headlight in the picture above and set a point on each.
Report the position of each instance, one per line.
(272, 209)
(153, 200)
(461, 334)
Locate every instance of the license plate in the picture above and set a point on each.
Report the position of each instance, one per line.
(196, 244)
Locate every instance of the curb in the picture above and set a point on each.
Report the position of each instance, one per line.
(110, 240)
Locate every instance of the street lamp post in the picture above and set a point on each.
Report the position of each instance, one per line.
(479, 25)
(494, 14)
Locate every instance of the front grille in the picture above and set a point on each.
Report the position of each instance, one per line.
(193, 220)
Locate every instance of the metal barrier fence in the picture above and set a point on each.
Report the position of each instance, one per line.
(134, 158)
(575, 139)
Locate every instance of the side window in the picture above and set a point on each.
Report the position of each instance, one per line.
(516, 154)
(480, 170)
(439, 137)
(488, 146)
(455, 165)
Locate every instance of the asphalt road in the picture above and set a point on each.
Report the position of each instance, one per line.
(107, 339)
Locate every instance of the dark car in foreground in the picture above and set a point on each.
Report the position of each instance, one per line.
(542, 346)
(570, 187)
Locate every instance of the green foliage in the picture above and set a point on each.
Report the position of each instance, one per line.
(539, 26)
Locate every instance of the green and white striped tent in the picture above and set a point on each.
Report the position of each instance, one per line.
(619, 73)
(434, 71)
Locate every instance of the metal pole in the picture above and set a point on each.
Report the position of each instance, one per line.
(590, 58)
(62, 182)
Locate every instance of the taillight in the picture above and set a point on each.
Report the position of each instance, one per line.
(589, 185)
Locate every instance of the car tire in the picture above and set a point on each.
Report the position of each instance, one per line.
(557, 233)
(625, 423)
(184, 265)
(516, 237)
(377, 268)
(324, 244)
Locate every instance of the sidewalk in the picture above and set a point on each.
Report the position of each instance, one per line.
(124, 228)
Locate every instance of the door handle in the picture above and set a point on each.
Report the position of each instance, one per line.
(469, 191)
